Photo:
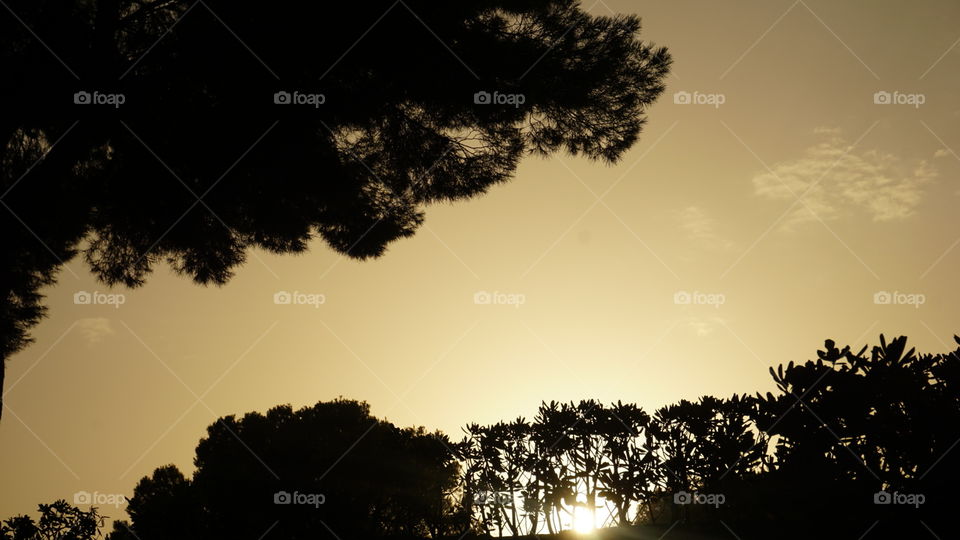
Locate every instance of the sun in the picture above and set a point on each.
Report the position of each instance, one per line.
(583, 522)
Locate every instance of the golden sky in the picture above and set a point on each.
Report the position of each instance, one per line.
(779, 201)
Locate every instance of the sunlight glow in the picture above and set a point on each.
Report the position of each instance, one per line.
(583, 520)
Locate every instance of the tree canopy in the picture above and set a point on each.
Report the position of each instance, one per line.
(137, 132)
(321, 471)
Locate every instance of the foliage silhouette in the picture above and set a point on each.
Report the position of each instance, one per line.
(862, 425)
(199, 163)
(326, 471)
(58, 521)
(815, 460)
(156, 499)
(848, 441)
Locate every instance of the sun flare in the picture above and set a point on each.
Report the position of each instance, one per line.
(583, 520)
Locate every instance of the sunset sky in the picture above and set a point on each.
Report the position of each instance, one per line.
(808, 190)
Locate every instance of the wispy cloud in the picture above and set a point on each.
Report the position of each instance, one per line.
(834, 181)
(701, 228)
(94, 329)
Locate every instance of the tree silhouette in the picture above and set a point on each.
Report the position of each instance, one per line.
(327, 471)
(847, 442)
(571, 451)
(814, 460)
(164, 505)
(554, 437)
(58, 521)
(122, 531)
(680, 451)
(208, 156)
(629, 448)
(864, 425)
(491, 477)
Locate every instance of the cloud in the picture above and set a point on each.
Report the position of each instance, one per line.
(827, 130)
(941, 153)
(94, 329)
(701, 228)
(835, 181)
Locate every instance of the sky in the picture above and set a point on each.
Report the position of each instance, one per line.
(797, 181)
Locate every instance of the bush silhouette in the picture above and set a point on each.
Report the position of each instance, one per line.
(58, 521)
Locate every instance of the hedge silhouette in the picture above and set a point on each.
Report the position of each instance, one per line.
(848, 441)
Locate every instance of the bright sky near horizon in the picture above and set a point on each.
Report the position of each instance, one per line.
(797, 181)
